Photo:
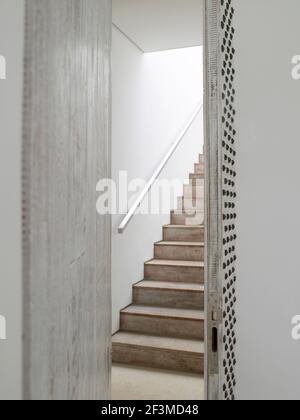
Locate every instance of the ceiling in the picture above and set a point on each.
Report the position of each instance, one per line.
(156, 25)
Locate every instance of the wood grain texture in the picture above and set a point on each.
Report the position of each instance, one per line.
(183, 233)
(66, 244)
(169, 295)
(188, 251)
(165, 322)
(159, 352)
(175, 271)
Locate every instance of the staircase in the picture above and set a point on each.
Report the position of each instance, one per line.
(164, 327)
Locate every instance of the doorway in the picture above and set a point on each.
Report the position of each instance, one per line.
(158, 233)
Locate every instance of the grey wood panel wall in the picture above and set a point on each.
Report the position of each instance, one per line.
(66, 244)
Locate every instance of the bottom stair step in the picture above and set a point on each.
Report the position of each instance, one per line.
(158, 352)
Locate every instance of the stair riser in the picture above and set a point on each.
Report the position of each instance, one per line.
(191, 193)
(197, 178)
(183, 234)
(196, 183)
(186, 219)
(158, 358)
(194, 192)
(199, 220)
(199, 168)
(190, 203)
(184, 253)
(163, 326)
(181, 299)
(174, 274)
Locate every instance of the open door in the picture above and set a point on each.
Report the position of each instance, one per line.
(66, 150)
(220, 200)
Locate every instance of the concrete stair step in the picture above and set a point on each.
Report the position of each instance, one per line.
(166, 322)
(175, 271)
(187, 203)
(196, 182)
(151, 351)
(197, 177)
(201, 159)
(183, 233)
(190, 191)
(188, 251)
(187, 218)
(169, 294)
(199, 168)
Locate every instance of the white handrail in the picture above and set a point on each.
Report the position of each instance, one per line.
(158, 171)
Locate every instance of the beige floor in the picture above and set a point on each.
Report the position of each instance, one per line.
(148, 384)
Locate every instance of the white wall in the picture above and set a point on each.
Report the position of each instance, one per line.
(153, 96)
(268, 206)
(11, 47)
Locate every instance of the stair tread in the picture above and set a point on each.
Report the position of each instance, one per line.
(193, 187)
(164, 312)
(189, 227)
(148, 284)
(167, 343)
(176, 263)
(177, 243)
(189, 199)
(184, 227)
(189, 212)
